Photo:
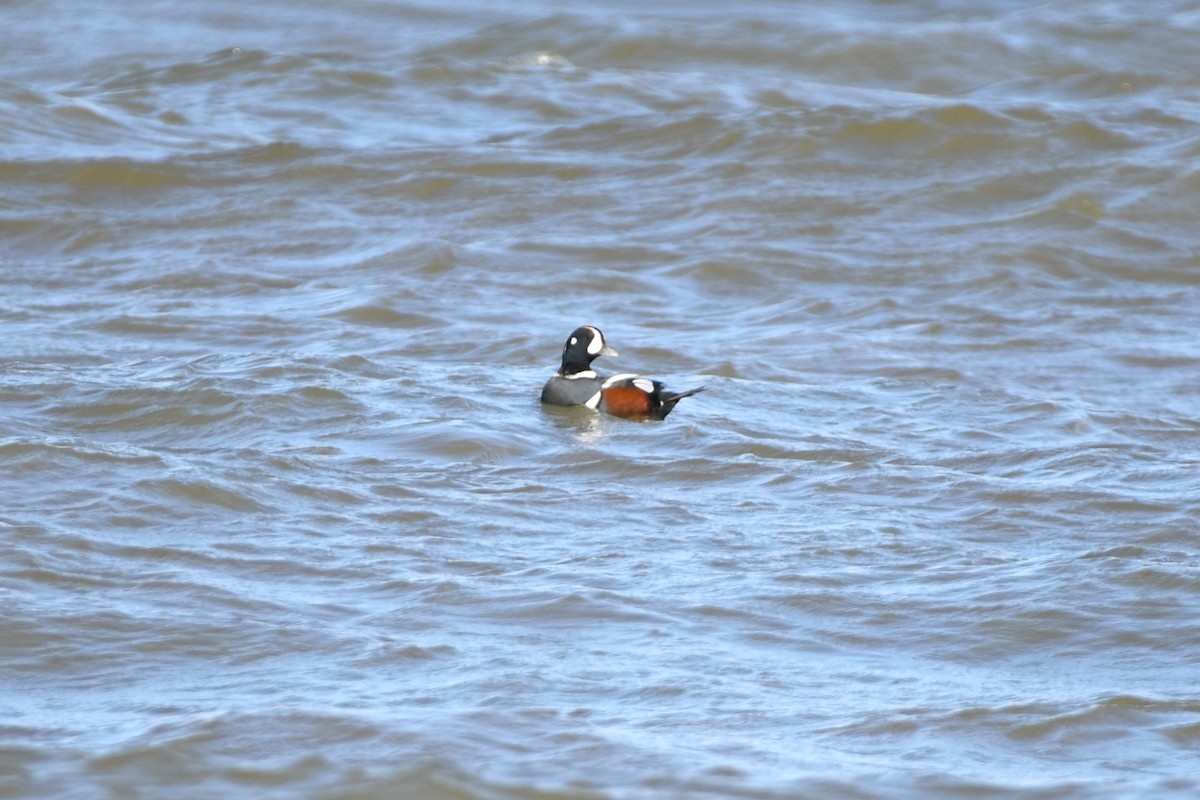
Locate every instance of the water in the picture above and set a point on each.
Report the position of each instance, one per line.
(281, 514)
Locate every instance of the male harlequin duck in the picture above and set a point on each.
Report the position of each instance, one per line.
(624, 395)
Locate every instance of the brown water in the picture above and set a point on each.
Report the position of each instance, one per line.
(281, 516)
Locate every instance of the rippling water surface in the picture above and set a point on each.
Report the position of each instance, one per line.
(281, 516)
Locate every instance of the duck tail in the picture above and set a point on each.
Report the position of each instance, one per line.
(669, 399)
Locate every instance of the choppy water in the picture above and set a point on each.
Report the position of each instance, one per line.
(282, 518)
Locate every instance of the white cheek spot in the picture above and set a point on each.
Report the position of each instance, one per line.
(596, 344)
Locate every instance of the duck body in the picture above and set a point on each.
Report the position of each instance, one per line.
(629, 395)
(624, 395)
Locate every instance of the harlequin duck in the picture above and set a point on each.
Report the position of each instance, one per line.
(624, 395)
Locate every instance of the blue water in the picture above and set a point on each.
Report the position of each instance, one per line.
(282, 517)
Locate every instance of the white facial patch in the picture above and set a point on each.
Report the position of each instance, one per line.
(597, 342)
